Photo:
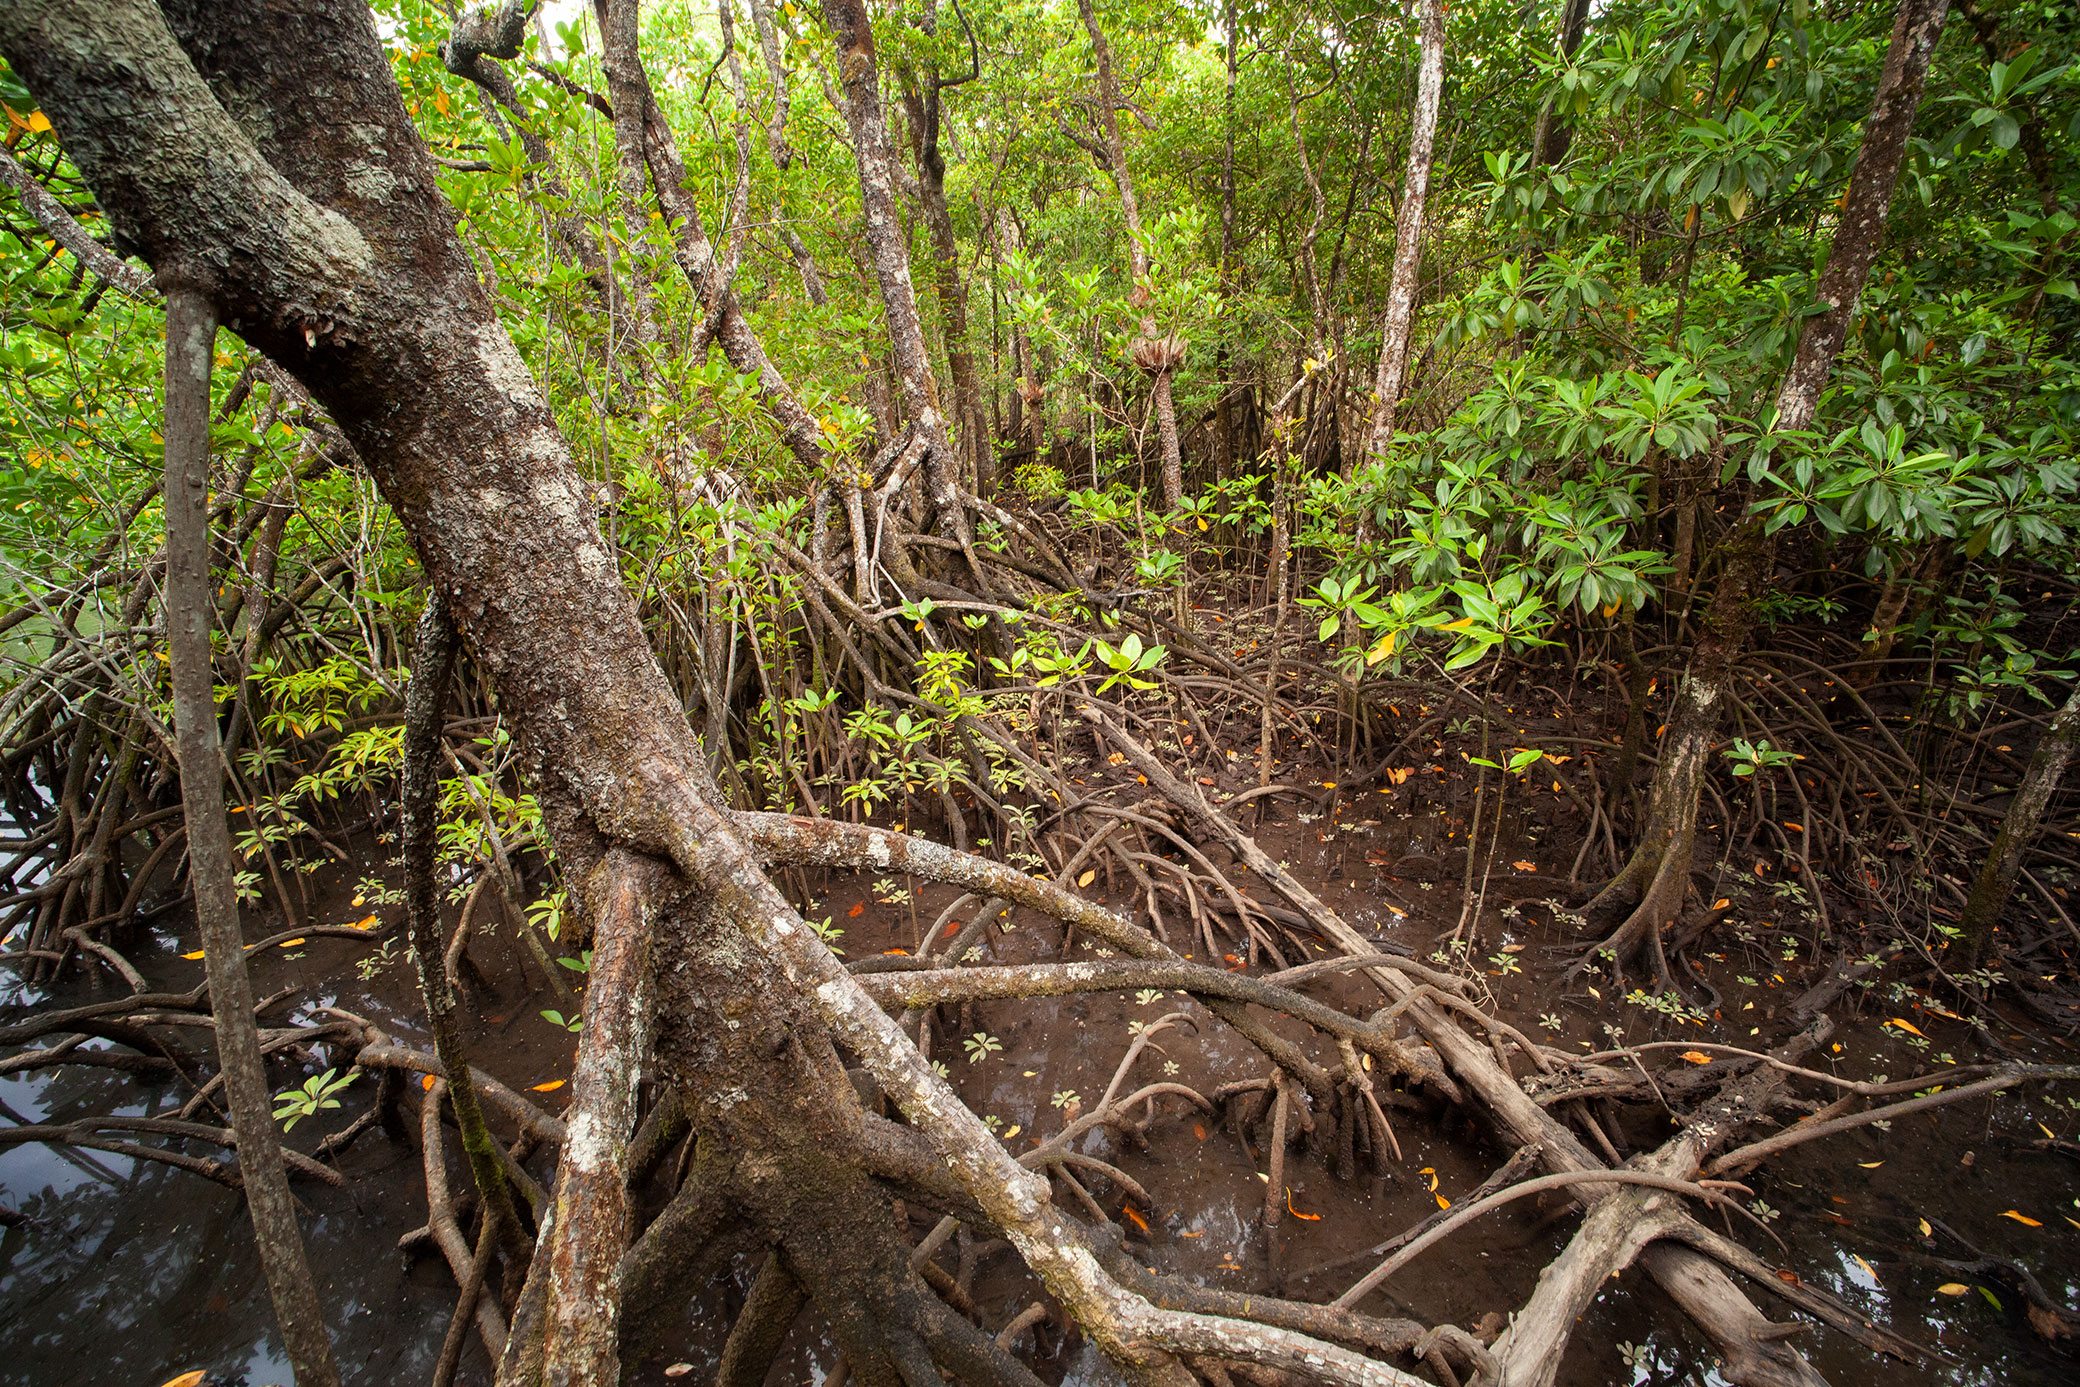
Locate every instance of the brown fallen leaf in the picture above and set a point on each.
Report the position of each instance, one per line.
(678, 1370)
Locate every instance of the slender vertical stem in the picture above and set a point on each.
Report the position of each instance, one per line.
(191, 331)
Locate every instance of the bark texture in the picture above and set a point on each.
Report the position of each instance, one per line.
(1860, 233)
(2018, 831)
(191, 332)
(1408, 230)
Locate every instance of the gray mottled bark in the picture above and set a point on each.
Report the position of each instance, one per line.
(1408, 230)
(860, 82)
(191, 330)
(1860, 233)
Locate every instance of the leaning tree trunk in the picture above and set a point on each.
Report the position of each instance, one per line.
(315, 226)
(1155, 353)
(890, 251)
(191, 332)
(2018, 831)
(1654, 879)
(1408, 231)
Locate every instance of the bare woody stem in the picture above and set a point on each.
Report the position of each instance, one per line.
(191, 330)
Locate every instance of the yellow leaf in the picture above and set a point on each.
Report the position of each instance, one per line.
(1460, 625)
(1952, 1288)
(1443, 1203)
(39, 123)
(426, 1081)
(1088, 877)
(369, 921)
(1015, 1130)
(1202, 523)
(1865, 1265)
(193, 1379)
(197, 954)
(2047, 1131)
(2023, 1219)
(1907, 1026)
(1695, 1057)
(289, 943)
(1869, 1165)
(1926, 1231)
(549, 1087)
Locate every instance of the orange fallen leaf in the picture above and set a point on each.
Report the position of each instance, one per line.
(1795, 828)
(369, 921)
(858, 909)
(189, 1379)
(1205, 780)
(1869, 1165)
(1908, 1026)
(1525, 866)
(1722, 903)
(427, 1081)
(549, 1087)
(1311, 1218)
(1115, 759)
(1199, 1130)
(1952, 1288)
(1198, 1234)
(2023, 1219)
(1398, 774)
(290, 943)
(1134, 1218)
(1088, 877)
(1695, 1057)
(904, 952)
(1443, 1203)
(953, 927)
(1787, 1276)
(197, 954)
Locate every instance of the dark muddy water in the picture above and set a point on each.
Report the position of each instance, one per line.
(128, 1273)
